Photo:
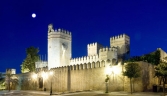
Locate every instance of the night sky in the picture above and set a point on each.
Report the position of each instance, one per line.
(145, 21)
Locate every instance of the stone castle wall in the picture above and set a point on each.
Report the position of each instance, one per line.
(145, 81)
(89, 76)
(104, 54)
(85, 59)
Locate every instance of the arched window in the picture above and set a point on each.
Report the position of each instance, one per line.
(89, 65)
(103, 63)
(93, 65)
(81, 66)
(85, 66)
(97, 64)
(114, 61)
(74, 67)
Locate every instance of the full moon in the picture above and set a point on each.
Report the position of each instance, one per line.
(33, 15)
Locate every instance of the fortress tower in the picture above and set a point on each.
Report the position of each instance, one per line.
(122, 43)
(108, 53)
(93, 49)
(59, 47)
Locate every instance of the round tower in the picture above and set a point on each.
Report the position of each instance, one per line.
(59, 47)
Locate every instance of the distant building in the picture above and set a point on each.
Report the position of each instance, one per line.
(41, 64)
(11, 71)
(2, 75)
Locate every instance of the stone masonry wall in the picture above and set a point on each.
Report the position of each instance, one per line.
(89, 76)
(145, 81)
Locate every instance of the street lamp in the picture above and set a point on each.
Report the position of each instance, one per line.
(107, 80)
(51, 73)
(111, 69)
(108, 72)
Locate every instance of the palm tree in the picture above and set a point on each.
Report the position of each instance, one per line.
(11, 80)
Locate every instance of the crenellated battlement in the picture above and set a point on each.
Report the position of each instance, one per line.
(121, 42)
(93, 48)
(121, 36)
(62, 31)
(85, 59)
(108, 49)
(81, 66)
(59, 31)
(108, 53)
(92, 44)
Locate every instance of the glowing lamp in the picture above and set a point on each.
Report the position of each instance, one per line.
(116, 69)
(108, 70)
(34, 76)
(51, 73)
(44, 75)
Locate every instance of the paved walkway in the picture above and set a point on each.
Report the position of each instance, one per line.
(99, 93)
(86, 93)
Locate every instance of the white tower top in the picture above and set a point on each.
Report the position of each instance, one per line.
(59, 47)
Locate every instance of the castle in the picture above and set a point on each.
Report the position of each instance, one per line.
(86, 72)
(59, 50)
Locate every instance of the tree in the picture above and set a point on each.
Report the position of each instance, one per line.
(2, 84)
(153, 58)
(1, 76)
(11, 80)
(28, 64)
(132, 70)
(157, 57)
(2, 80)
(161, 71)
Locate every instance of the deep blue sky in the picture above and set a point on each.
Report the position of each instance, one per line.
(145, 21)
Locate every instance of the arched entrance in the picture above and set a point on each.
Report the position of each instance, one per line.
(40, 82)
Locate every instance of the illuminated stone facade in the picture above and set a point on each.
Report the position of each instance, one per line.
(59, 49)
(86, 72)
(119, 49)
(90, 76)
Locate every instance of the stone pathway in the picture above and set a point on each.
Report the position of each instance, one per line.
(86, 93)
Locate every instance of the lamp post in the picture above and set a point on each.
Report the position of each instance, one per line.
(51, 73)
(107, 80)
(108, 72)
(111, 69)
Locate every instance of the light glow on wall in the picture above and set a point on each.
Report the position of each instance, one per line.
(108, 70)
(116, 69)
(112, 69)
(34, 76)
(44, 75)
(51, 73)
